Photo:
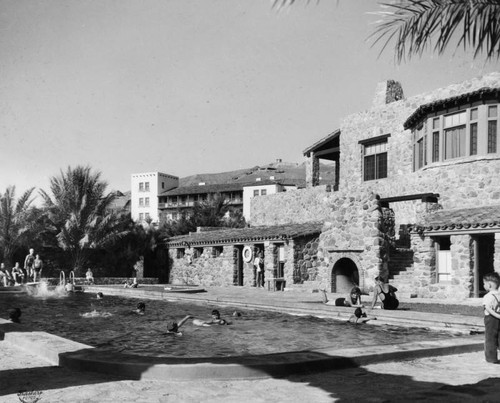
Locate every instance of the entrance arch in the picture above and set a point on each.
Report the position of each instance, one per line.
(345, 275)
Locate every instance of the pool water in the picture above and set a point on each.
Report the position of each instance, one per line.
(252, 333)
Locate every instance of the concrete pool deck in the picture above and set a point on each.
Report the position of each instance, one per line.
(410, 374)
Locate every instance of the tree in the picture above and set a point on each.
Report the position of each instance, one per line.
(16, 218)
(415, 24)
(78, 216)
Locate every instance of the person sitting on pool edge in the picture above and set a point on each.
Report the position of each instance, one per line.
(216, 320)
(353, 300)
(386, 293)
(173, 327)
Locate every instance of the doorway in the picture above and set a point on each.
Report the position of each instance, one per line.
(345, 275)
(238, 265)
(483, 261)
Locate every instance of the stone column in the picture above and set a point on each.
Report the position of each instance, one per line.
(312, 171)
(462, 276)
(424, 266)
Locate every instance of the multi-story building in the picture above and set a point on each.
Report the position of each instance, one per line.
(145, 188)
(236, 188)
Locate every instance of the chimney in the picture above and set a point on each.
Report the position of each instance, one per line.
(387, 92)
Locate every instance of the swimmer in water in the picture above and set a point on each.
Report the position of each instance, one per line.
(173, 327)
(15, 315)
(141, 308)
(216, 320)
(100, 295)
(359, 317)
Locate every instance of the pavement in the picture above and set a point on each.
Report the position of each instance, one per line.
(27, 375)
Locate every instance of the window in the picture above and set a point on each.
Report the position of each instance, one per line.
(217, 251)
(492, 129)
(468, 131)
(435, 139)
(197, 252)
(180, 253)
(147, 216)
(141, 186)
(473, 132)
(375, 160)
(146, 186)
(146, 201)
(141, 216)
(443, 260)
(163, 185)
(141, 202)
(255, 192)
(454, 135)
(263, 192)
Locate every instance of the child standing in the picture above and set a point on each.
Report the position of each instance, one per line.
(491, 302)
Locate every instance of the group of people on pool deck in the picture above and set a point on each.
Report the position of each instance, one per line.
(383, 291)
(32, 269)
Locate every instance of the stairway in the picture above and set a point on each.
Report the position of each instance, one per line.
(400, 270)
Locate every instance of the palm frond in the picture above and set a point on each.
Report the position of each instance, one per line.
(417, 25)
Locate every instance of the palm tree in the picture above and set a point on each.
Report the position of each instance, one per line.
(78, 214)
(16, 218)
(415, 24)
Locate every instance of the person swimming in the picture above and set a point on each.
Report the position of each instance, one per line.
(173, 327)
(216, 320)
(15, 315)
(360, 316)
(99, 295)
(141, 308)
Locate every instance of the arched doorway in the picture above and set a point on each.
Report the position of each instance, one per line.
(345, 275)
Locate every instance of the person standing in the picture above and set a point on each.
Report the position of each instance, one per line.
(37, 268)
(491, 303)
(28, 263)
(258, 264)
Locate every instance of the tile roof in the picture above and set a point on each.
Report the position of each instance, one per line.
(284, 173)
(252, 234)
(461, 219)
(481, 94)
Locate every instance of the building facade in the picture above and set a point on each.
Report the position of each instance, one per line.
(416, 176)
(144, 190)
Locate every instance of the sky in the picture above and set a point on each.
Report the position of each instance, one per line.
(188, 86)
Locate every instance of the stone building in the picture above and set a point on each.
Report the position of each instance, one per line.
(224, 257)
(417, 196)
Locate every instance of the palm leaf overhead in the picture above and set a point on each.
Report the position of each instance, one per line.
(418, 25)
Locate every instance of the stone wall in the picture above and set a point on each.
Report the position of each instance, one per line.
(204, 270)
(305, 256)
(294, 206)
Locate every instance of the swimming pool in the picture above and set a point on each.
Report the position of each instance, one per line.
(253, 333)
